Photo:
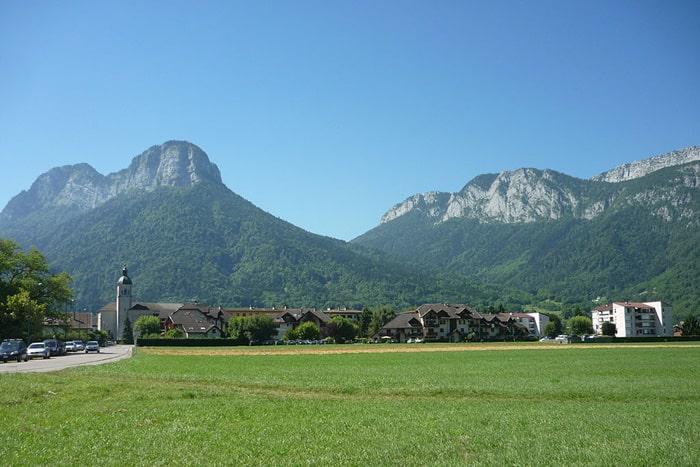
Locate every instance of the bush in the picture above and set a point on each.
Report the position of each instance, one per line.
(306, 330)
(147, 325)
(609, 329)
(341, 330)
(580, 325)
(175, 333)
(248, 329)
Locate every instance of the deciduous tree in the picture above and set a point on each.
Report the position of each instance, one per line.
(580, 325)
(28, 291)
(608, 328)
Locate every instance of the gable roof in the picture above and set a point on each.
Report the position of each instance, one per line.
(405, 320)
(448, 310)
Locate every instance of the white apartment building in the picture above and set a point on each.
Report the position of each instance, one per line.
(635, 319)
(534, 322)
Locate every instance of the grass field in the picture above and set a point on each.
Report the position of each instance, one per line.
(506, 405)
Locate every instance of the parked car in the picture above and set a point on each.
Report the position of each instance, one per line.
(62, 348)
(562, 339)
(92, 346)
(13, 349)
(38, 349)
(546, 339)
(52, 345)
(79, 346)
(70, 346)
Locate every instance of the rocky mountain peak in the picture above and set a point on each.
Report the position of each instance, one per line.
(80, 186)
(173, 163)
(646, 166)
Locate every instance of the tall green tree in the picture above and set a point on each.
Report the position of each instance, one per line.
(29, 292)
(306, 330)
(380, 316)
(580, 325)
(248, 329)
(341, 330)
(128, 332)
(691, 325)
(146, 326)
(608, 328)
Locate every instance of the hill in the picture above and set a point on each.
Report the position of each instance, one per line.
(186, 236)
(560, 237)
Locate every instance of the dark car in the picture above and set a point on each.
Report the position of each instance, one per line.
(13, 349)
(54, 347)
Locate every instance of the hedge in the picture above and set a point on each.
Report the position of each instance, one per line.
(217, 342)
(612, 340)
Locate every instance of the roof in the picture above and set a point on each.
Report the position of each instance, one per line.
(198, 328)
(320, 315)
(607, 307)
(403, 321)
(108, 307)
(634, 305)
(448, 310)
(163, 309)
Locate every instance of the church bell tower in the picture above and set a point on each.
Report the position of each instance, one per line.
(124, 285)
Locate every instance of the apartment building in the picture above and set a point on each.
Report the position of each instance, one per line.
(635, 319)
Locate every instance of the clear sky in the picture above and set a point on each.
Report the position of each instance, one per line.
(327, 113)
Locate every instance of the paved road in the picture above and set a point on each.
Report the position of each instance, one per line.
(106, 355)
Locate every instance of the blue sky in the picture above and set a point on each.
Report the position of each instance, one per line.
(327, 113)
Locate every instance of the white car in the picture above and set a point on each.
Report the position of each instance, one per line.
(92, 346)
(38, 349)
(79, 346)
(70, 346)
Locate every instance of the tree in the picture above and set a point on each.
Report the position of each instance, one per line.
(249, 329)
(550, 329)
(380, 316)
(146, 326)
(691, 325)
(174, 333)
(556, 321)
(28, 291)
(306, 330)
(609, 329)
(365, 319)
(341, 329)
(579, 325)
(128, 332)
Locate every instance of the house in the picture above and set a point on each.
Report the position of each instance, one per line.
(534, 322)
(195, 322)
(72, 321)
(445, 322)
(634, 319)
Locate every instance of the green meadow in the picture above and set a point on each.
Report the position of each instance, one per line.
(522, 406)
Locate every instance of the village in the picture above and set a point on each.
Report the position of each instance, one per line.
(439, 322)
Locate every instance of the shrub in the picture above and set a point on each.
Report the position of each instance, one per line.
(341, 330)
(609, 329)
(306, 330)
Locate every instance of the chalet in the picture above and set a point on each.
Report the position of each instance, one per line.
(446, 322)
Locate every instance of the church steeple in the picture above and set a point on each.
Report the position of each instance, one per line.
(124, 285)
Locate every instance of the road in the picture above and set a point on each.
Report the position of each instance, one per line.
(106, 355)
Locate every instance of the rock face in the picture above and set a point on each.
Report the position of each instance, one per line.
(523, 195)
(646, 166)
(174, 163)
(531, 195)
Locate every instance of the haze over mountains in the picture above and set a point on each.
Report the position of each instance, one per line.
(535, 235)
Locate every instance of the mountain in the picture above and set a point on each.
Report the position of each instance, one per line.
(559, 237)
(80, 187)
(646, 166)
(186, 236)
